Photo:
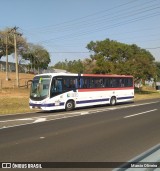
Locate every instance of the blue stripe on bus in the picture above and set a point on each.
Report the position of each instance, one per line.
(91, 101)
(122, 98)
(102, 100)
(46, 105)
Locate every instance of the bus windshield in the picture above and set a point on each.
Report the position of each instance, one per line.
(40, 87)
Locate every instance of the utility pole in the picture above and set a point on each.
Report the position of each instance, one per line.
(15, 53)
(7, 78)
(16, 57)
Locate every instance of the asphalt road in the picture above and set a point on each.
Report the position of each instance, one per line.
(101, 134)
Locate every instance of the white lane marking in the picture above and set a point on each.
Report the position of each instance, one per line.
(24, 119)
(40, 120)
(37, 122)
(84, 113)
(140, 113)
(42, 137)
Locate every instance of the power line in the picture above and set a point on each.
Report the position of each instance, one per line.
(82, 24)
(153, 48)
(69, 52)
(89, 22)
(105, 18)
(87, 16)
(103, 28)
(111, 20)
(100, 21)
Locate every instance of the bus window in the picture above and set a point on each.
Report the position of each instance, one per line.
(76, 83)
(98, 82)
(70, 83)
(56, 86)
(107, 82)
(121, 82)
(59, 85)
(81, 83)
(84, 83)
(92, 83)
(128, 82)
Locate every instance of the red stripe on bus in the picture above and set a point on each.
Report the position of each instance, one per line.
(104, 89)
(106, 75)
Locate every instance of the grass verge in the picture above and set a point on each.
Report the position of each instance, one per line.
(14, 101)
(146, 93)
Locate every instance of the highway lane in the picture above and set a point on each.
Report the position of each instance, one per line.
(117, 134)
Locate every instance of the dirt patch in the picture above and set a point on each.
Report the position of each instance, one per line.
(23, 79)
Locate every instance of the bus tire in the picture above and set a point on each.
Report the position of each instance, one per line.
(69, 105)
(113, 101)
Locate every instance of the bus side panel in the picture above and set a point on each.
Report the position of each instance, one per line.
(125, 95)
(89, 97)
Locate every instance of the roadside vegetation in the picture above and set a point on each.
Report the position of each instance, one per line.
(146, 93)
(34, 56)
(14, 101)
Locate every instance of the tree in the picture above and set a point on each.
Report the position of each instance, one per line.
(37, 56)
(89, 65)
(119, 58)
(75, 66)
(158, 70)
(6, 37)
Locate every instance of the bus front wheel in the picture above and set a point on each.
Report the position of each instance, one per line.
(69, 105)
(113, 101)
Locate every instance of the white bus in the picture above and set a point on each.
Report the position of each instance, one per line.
(54, 91)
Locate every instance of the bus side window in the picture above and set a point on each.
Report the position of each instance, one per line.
(81, 83)
(59, 86)
(53, 89)
(128, 82)
(56, 87)
(107, 82)
(76, 83)
(92, 84)
(72, 83)
(121, 82)
(85, 84)
(99, 82)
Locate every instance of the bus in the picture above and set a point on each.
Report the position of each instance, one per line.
(54, 91)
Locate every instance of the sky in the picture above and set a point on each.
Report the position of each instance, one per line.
(65, 27)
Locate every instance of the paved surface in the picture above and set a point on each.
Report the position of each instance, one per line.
(101, 134)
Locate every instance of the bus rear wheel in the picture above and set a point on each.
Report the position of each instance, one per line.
(113, 101)
(69, 105)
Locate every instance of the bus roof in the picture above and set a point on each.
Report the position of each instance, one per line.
(85, 75)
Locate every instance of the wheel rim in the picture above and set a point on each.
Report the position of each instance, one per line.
(69, 105)
(113, 101)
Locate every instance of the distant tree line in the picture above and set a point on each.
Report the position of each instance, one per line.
(112, 57)
(36, 55)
